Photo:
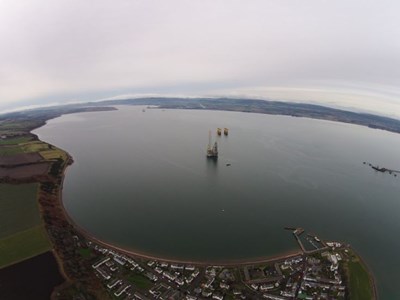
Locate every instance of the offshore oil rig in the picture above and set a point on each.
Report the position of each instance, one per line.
(212, 151)
(219, 131)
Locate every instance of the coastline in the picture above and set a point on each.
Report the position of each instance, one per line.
(142, 255)
(371, 276)
(147, 256)
(228, 263)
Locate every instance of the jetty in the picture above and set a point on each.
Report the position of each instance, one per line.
(311, 240)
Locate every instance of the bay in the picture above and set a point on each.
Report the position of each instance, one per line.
(141, 180)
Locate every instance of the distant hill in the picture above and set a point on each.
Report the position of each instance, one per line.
(38, 117)
(268, 107)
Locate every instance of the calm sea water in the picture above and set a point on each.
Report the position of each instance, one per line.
(141, 180)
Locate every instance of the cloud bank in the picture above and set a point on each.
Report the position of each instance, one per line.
(338, 52)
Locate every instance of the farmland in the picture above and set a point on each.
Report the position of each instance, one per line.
(22, 234)
(34, 278)
(53, 154)
(16, 140)
(18, 208)
(23, 245)
(31, 224)
(6, 150)
(25, 172)
(35, 146)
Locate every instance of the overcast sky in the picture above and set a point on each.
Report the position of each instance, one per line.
(335, 52)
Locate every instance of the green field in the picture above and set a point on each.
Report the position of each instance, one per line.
(53, 154)
(10, 150)
(35, 147)
(16, 140)
(24, 145)
(16, 127)
(23, 245)
(360, 284)
(85, 252)
(22, 234)
(140, 281)
(19, 209)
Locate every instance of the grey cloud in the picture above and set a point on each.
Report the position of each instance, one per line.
(55, 48)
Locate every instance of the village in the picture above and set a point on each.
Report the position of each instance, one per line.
(317, 275)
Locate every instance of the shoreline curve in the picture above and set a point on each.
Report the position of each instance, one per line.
(143, 255)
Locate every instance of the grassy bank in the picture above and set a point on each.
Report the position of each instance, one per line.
(360, 282)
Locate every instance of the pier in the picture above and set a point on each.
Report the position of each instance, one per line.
(313, 240)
